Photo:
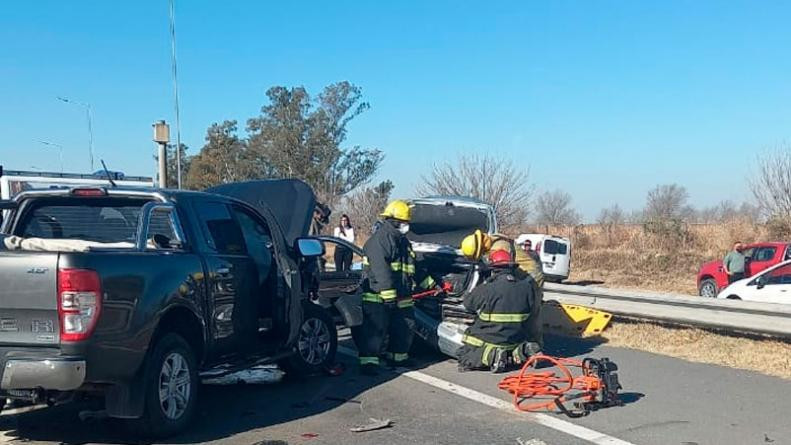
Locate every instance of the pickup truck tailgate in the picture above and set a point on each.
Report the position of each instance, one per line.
(28, 300)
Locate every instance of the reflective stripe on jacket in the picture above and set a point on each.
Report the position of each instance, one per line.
(388, 266)
(503, 304)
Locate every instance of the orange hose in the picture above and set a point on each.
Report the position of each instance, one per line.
(550, 387)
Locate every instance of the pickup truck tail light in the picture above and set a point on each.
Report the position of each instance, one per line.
(79, 303)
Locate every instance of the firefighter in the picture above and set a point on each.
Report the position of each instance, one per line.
(389, 269)
(500, 335)
(478, 244)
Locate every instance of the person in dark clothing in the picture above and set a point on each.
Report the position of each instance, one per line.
(389, 268)
(343, 255)
(500, 334)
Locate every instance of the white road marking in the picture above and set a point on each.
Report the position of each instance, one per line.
(548, 421)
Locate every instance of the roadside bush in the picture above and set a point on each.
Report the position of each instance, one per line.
(668, 234)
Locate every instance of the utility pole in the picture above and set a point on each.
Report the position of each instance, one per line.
(162, 137)
(90, 124)
(175, 89)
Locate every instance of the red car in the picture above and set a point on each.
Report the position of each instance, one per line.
(712, 277)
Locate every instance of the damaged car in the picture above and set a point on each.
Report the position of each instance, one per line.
(138, 294)
(437, 228)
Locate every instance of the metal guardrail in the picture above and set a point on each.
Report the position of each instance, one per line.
(735, 316)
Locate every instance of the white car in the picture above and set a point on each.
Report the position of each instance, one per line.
(554, 251)
(770, 286)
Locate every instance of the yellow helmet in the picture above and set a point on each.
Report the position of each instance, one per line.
(397, 209)
(473, 246)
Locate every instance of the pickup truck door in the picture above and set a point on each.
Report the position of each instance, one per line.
(333, 282)
(232, 283)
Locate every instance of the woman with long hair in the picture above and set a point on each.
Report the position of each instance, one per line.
(343, 255)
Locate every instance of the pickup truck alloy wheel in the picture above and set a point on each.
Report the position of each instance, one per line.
(708, 289)
(314, 341)
(175, 386)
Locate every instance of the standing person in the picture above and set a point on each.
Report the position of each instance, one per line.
(500, 334)
(734, 263)
(343, 255)
(389, 268)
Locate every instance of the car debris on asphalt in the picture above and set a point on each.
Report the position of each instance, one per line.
(375, 424)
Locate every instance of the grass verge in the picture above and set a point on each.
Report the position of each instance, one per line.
(763, 355)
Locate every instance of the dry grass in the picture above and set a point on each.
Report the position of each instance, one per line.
(665, 260)
(770, 357)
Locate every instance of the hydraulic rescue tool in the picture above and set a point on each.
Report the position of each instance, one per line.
(595, 386)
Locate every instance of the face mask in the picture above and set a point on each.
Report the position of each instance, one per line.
(403, 228)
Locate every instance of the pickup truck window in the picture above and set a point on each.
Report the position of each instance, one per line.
(101, 220)
(258, 240)
(222, 232)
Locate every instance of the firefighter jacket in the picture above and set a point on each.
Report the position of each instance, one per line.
(389, 266)
(526, 262)
(503, 306)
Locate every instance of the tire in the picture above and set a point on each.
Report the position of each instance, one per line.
(172, 364)
(708, 288)
(316, 345)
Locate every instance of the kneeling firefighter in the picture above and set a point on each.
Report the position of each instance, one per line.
(499, 336)
(389, 269)
(478, 244)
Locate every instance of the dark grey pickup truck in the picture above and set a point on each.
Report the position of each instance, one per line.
(137, 294)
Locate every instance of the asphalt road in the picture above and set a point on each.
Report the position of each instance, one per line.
(668, 401)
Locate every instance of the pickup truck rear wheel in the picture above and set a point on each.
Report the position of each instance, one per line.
(708, 288)
(316, 345)
(171, 387)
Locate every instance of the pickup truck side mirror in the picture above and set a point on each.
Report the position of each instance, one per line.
(309, 247)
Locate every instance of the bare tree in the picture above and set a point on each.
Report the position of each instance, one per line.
(364, 205)
(499, 182)
(611, 216)
(554, 208)
(668, 202)
(727, 211)
(772, 185)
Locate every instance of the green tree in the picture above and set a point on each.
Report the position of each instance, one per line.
(225, 158)
(297, 136)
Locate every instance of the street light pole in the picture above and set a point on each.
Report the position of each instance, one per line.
(90, 124)
(60, 151)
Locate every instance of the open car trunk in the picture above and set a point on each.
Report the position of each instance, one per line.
(445, 225)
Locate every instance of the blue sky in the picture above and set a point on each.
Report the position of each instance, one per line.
(603, 99)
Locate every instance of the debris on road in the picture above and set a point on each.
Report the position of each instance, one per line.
(521, 441)
(254, 376)
(308, 435)
(375, 424)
